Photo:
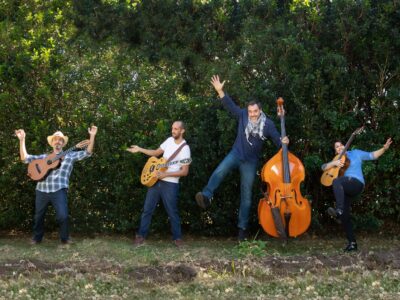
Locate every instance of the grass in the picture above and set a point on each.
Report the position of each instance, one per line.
(206, 268)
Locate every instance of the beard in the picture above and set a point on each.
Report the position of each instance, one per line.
(177, 136)
(58, 147)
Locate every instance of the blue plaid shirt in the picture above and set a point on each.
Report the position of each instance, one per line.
(58, 178)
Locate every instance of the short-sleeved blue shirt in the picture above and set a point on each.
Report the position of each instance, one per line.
(356, 158)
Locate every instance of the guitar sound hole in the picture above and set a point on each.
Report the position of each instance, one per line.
(49, 162)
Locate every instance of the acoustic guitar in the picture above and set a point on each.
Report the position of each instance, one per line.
(38, 169)
(154, 165)
(331, 174)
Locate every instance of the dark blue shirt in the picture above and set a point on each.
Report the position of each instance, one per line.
(242, 147)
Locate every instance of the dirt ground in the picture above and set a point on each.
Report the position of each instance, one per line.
(176, 271)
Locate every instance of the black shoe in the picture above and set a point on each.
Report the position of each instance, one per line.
(352, 246)
(202, 200)
(243, 235)
(335, 213)
(34, 242)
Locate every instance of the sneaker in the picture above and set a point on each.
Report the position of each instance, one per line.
(243, 235)
(335, 213)
(179, 243)
(139, 241)
(34, 242)
(352, 246)
(202, 200)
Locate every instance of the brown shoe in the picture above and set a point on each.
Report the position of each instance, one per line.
(34, 242)
(139, 241)
(66, 242)
(202, 200)
(179, 243)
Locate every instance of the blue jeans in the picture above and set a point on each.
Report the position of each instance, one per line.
(248, 171)
(168, 192)
(60, 203)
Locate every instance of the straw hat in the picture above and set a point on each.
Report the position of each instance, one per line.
(57, 133)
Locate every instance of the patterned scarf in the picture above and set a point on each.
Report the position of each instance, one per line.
(256, 128)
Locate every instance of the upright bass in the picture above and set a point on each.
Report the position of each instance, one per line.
(283, 212)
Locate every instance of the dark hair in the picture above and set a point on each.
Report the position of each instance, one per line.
(254, 102)
(338, 141)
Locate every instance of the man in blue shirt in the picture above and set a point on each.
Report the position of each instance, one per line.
(53, 189)
(253, 128)
(350, 185)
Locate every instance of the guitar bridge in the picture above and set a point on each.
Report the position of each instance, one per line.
(38, 168)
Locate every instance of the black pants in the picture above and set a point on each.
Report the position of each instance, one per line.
(346, 188)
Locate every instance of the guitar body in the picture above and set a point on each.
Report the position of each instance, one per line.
(39, 168)
(150, 169)
(331, 174)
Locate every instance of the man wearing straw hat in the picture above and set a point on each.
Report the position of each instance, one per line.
(53, 189)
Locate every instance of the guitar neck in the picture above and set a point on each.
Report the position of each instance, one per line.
(347, 145)
(62, 154)
(169, 164)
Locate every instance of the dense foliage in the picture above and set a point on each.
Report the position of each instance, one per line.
(132, 67)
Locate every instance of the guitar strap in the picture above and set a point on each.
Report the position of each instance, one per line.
(176, 152)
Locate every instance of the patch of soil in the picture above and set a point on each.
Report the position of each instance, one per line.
(185, 272)
(286, 265)
(163, 274)
(25, 267)
(157, 274)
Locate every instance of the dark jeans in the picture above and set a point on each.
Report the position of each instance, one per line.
(346, 188)
(168, 192)
(248, 170)
(60, 203)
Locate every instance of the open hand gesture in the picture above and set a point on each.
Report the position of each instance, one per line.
(133, 149)
(216, 83)
(388, 143)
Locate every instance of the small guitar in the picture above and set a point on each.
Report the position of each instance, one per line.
(154, 165)
(331, 174)
(38, 169)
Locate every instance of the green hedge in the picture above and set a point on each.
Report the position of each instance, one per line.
(132, 67)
